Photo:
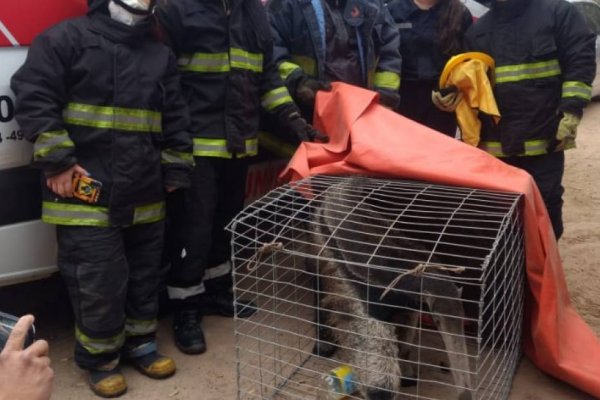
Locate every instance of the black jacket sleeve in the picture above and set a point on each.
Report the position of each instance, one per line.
(280, 23)
(177, 156)
(169, 19)
(41, 94)
(389, 65)
(577, 55)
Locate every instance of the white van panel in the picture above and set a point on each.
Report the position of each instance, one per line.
(27, 251)
(15, 151)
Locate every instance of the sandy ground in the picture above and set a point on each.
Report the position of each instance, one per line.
(211, 376)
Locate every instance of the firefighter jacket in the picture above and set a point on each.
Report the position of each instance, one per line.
(300, 36)
(224, 51)
(545, 64)
(106, 96)
(422, 56)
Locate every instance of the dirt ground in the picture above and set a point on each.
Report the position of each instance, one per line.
(211, 376)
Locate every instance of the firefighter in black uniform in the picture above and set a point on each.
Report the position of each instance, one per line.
(431, 32)
(321, 41)
(99, 96)
(545, 64)
(224, 51)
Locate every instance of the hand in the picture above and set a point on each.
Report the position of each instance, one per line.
(62, 184)
(567, 131)
(25, 373)
(303, 130)
(171, 189)
(307, 89)
(446, 102)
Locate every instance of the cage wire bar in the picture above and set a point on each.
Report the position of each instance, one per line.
(418, 288)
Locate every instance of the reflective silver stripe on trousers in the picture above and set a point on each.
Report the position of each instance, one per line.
(218, 271)
(177, 293)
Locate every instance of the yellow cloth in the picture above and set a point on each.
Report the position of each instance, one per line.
(471, 78)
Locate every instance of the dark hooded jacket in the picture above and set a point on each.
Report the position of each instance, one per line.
(545, 64)
(304, 48)
(225, 55)
(106, 96)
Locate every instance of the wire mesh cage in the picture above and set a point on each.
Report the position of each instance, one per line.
(378, 289)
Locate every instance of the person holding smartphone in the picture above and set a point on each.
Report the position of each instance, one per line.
(25, 372)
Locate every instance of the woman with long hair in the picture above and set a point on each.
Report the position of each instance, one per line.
(431, 31)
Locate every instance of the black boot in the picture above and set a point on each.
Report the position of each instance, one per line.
(189, 337)
(222, 304)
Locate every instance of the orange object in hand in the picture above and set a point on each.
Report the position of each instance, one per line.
(86, 188)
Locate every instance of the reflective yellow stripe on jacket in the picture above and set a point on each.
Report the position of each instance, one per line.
(221, 62)
(169, 156)
(275, 98)
(49, 142)
(387, 80)
(532, 148)
(520, 72)
(205, 147)
(576, 89)
(126, 119)
(88, 215)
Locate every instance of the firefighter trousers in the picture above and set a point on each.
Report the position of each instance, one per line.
(112, 276)
(198, 246)
(547, 170)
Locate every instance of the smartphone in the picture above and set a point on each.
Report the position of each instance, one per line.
(86, 189)
(7, 323)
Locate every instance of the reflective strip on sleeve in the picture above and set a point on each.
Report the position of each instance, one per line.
(286, 68)
(520, 72)
(126, 119)
(49, 142)
(275, 98)
(204, 62)
(276, 146)
(149, 213)
(308, 64)
(137, 327)
(74, 214)
(576, 89)
(99, 346)
(387, 80)
(205, 147)
(532, 148)
(245, 60)
(169, 156)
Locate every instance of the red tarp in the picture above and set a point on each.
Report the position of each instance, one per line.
(25, 19)
(369, 139)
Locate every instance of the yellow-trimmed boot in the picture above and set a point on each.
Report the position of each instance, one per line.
(107, 384)
(154, 365)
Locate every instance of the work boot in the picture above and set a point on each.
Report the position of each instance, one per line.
(222, 304)
(107, 384)
(154, 365)
(189, 337)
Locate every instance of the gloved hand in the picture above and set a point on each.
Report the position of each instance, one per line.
(303, 130)
(567, 131)
(307, 89)
(389, 98)
(446, 99)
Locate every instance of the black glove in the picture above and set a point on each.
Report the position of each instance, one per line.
(389, 98)
(303, 130)
(307, 89)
